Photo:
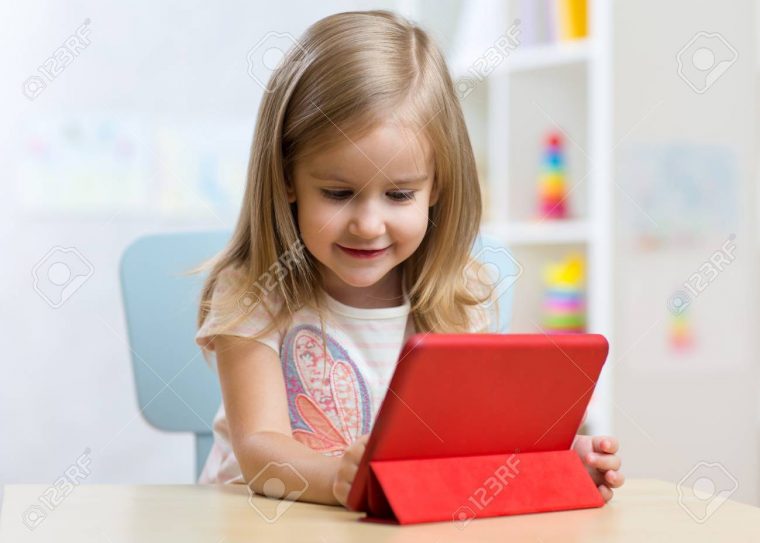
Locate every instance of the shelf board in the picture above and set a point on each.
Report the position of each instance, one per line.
(532, 57)
(537, 232)
(550, 55)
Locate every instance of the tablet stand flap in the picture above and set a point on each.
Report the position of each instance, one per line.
(468, 487)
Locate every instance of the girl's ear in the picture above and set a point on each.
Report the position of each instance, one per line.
(290, 190)
(434, 193)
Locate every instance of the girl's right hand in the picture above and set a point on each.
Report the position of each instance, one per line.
(349, 465)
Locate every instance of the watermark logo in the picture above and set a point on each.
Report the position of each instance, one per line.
(704, 59)
(60, 273)
(498, 279)
(267, 55)
(704, 489)
(272, 484)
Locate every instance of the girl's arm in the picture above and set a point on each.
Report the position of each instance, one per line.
(255, 401)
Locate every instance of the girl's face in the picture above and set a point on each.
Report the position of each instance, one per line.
(369, 194)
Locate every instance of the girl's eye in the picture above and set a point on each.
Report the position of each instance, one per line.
(401, 195)
(396, 196)
(336, 194)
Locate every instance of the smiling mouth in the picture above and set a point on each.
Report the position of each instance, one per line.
(362, 253)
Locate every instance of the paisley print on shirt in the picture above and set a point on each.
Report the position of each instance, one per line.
(328, 400)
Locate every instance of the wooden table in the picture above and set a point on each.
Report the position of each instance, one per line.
(643, 510)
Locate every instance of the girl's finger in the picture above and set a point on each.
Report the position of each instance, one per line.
(603, 462)
(605, 444)
(614, 478)
(606, 492)
(598, 478)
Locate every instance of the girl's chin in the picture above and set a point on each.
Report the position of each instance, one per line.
(361, 281)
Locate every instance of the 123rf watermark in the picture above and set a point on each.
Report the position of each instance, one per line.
(270, 279)
(707, 272)
(54, 495)
(482, 496)
(61, 58)
(485, 64)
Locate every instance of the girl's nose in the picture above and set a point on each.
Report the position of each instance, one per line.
(367, 222)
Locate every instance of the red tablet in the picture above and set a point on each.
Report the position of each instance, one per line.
(481, 395)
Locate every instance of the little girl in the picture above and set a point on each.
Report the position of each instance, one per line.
(356, 230)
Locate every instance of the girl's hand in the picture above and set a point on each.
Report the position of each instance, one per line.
(349, 464)
(598, 455)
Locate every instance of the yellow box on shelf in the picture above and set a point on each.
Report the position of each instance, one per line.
(572, 19)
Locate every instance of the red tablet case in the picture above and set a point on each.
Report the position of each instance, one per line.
(481, 425)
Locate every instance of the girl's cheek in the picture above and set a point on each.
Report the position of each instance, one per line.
(409, 229)
(318, 215)
(329, 217)
(420, 215)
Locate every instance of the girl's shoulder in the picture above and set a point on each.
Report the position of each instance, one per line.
(236, 290)
(240, 307)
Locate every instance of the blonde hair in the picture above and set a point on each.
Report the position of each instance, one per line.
(348, 72)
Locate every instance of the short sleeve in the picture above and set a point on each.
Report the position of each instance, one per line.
(236, 317)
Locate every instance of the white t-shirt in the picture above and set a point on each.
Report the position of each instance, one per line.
(331, 401)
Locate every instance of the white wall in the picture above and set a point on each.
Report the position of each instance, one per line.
(676, 411)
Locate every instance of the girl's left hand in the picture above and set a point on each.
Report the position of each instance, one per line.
(598, 455)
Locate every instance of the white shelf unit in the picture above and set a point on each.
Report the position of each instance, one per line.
(566, 87)
(537, 57)
(521, 233)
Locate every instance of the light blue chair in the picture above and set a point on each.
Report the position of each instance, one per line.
(176, 390)
(161, 305)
